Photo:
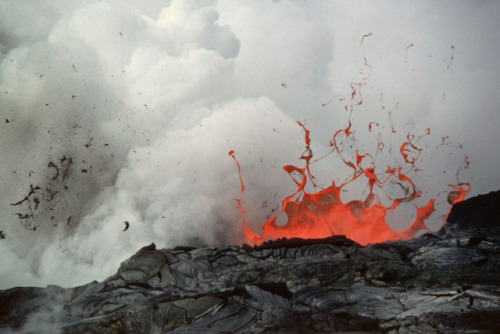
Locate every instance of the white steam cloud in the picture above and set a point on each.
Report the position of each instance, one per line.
(125, 111)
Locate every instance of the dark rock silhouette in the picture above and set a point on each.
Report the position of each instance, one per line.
(477, 215)
(448, 282)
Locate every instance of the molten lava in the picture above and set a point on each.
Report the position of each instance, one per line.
(322, 214)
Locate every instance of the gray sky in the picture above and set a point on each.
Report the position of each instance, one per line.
(115, 111)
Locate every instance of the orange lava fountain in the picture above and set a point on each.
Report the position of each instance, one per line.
(322, 214)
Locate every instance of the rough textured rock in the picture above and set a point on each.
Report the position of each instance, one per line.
(448, 282)
(476, 216)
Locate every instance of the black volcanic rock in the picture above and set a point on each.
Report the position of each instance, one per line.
(476, 215)
(447, 282)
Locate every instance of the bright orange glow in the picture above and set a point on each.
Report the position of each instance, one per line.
(322, 214)
(458, 194)
(249, 235)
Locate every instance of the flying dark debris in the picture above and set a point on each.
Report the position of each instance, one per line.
(363, 38)
(66, 167)
(452, 56)
(2, 235)
(32, 191)
(53, 165)
(284, 85)
(127, 225)
(406, 55)
(25, 216)
(89, 143)
(325, 104)
(7, 121)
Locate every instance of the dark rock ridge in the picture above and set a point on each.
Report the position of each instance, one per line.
(479, 215)
(448, 282)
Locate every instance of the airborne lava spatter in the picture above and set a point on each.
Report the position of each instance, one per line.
(322, 214)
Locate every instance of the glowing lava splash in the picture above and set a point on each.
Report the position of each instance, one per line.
(322, 214)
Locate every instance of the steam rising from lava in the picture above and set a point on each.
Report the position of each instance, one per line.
(116, 117)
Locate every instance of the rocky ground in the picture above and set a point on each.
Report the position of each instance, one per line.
(448, 282)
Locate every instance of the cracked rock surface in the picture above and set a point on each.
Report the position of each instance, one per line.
(448, 282)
